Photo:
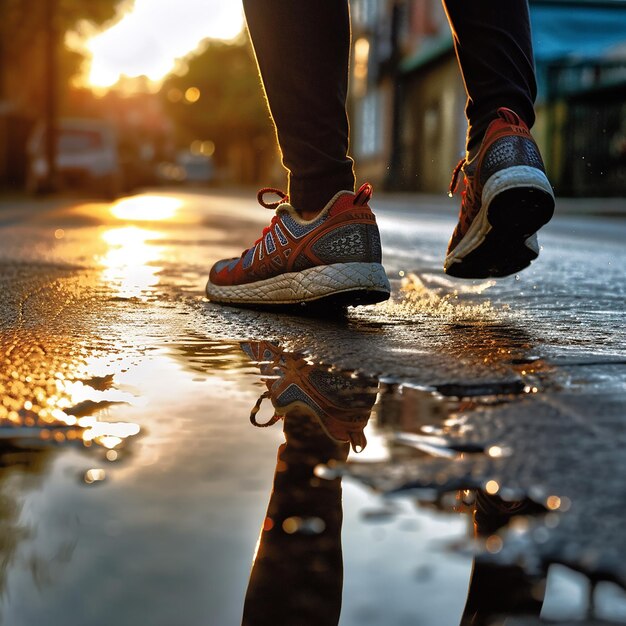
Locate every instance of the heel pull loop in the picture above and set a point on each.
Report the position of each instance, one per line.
(363, 195)
(510, 117)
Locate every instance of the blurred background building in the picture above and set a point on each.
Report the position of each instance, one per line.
(192, 113)
(72, 87)
(407, 97)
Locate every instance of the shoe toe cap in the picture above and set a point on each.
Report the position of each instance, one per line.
(222, 267)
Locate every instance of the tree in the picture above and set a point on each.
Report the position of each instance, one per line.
(23, 28)
(35, 69)
(228, 108)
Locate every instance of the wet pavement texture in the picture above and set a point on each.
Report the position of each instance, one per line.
(464, 435)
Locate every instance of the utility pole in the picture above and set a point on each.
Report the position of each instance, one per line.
(3, 107)
(51, 65)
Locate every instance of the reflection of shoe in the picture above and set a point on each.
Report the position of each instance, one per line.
(339, 402)
(493, 513)
(336, 255)
(507, 198)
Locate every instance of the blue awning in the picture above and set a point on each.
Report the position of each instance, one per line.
(577, 32)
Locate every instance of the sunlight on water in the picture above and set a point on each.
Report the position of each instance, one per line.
(51, 409)
(146, 208)
(129, 268)
(49, 399)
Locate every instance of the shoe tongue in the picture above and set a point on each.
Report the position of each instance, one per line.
(285, 207)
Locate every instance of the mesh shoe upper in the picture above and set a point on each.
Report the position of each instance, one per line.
(344, 231)
(507, 143)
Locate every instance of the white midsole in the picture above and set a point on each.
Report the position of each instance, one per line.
(304, 286)
(504, 180)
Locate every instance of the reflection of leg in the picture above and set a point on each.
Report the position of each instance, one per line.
(297, 574)
(302, 49)
(498, 590)
(493, 45)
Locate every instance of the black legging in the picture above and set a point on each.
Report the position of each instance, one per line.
(303, 46)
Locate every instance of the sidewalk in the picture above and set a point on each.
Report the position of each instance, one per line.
(429, 203)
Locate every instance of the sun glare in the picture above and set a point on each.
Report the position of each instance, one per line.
(153, 35)
(130, 265)
(146, 207)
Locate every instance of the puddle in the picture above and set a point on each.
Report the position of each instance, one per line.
(182, 507)
(217, 468)
(135, 489)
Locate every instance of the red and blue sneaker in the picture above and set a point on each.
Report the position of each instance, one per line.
(507, 199)
(335, 257)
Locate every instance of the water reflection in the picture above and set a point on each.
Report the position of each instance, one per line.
(324, 414)
(130, 263)
(146, 207)
(500, 591)
(297, 573)
(340, 402)
(34, 464)
(46, 401)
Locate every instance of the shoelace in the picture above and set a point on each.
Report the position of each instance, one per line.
(455, 177)
(257, 408)
(277, 192)
(467, 198)
(268, 205)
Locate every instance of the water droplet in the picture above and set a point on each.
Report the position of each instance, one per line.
(493, 544)
(304, 525)
(94, 475)
(497, 452)
(492, 487)
(551, 520)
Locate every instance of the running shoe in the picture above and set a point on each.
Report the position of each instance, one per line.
(334, 257)
(340, 403)
(507, 199)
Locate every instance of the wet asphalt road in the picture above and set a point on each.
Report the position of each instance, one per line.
(133, 487)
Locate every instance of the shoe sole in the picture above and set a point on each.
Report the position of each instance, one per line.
(501, 240)
(339, 284)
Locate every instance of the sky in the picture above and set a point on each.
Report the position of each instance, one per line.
(153, 34)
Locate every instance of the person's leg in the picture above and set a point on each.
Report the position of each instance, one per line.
(323, 244)
(507, 195)
(302, 50)
(494, 48)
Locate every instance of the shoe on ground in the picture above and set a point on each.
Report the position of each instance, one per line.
(340, 403)
(507, 199)
(333, 258)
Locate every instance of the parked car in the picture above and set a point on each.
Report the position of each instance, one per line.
(87, 157)
(197, 168)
